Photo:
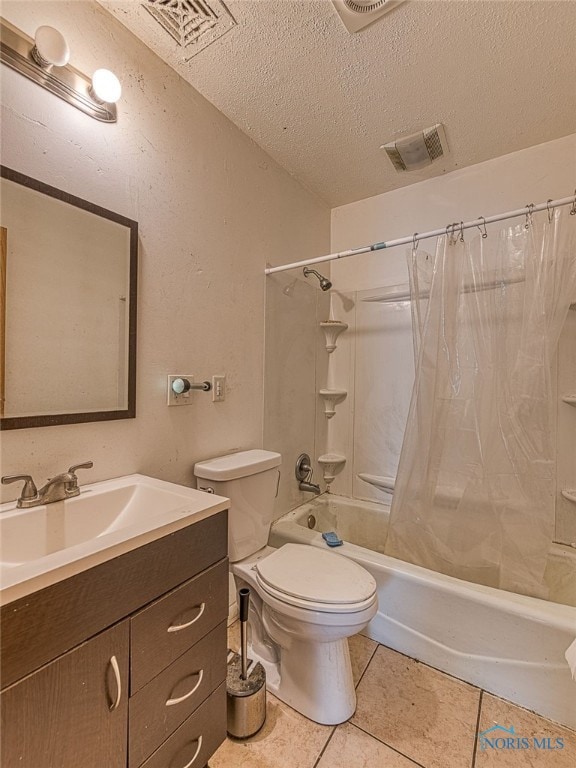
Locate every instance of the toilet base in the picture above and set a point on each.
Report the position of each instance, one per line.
(315, 679)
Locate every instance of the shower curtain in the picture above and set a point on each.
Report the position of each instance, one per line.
(475, 489)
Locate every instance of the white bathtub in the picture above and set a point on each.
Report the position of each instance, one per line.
(508, 644)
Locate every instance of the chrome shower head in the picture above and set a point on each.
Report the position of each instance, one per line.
(325, 284)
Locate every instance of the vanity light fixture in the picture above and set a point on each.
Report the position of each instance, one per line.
(44, 60)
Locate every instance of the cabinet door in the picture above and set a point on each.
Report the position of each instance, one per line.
(72, 713)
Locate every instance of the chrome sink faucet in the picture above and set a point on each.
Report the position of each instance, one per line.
(64, 486)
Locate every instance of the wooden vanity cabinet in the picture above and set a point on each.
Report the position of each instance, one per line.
(146, 689)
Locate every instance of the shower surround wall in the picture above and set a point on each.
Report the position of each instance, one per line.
(374, 360)
(296, 367)
(212, 208)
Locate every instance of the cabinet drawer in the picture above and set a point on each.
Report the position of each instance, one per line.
(172, 696)
(163, 631)
(197, 738)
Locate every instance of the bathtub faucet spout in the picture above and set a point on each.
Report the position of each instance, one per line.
(312, 487)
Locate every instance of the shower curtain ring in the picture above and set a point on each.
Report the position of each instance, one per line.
(550, 210)
(415, 242)
(461, 231)
(528, 224)
(450, 232)
(485, 233)
(454, 233)
(573, 209)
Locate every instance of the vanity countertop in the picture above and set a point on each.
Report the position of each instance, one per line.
(43, 545)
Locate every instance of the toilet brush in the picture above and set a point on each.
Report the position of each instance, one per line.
(245, 684)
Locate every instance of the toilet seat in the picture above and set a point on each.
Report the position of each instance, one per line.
(308, 605)
(310, 578)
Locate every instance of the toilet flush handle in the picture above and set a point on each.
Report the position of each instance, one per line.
(206, 488)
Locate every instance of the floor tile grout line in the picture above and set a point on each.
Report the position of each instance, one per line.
(474, 750)
(403, 754)
(367, 665)
(328, 740)
(436, 669)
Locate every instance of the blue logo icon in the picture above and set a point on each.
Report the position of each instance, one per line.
(499, 737)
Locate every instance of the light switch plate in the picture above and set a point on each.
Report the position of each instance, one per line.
(186, 397)
(218, 389)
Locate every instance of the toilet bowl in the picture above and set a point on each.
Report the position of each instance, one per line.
(305, 602)
(311, 669)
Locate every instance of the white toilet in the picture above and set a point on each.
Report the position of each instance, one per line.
(305, 601)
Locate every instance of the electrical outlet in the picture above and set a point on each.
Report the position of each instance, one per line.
(218, 389)
(186, 397)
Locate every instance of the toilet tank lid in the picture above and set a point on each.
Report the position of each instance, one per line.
(236, 465)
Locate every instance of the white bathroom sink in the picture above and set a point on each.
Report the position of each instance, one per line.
(42, 545)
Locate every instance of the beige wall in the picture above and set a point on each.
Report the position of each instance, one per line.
(212, 208)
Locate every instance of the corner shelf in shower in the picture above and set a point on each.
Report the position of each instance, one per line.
(570, 399)
(569, 494)
(378, 481)
(331, 397)
(331, 464)
(332, 329)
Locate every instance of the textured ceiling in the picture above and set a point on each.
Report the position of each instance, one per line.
(499, 75)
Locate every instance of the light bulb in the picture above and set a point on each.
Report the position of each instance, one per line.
(50, 48)
(105, 86)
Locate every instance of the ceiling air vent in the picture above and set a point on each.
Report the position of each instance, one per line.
(357, 14)
(193, 24)
(418, 150)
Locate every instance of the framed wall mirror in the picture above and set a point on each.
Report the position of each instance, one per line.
(68, 287)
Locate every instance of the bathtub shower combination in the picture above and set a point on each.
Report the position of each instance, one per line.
(509, 644)
(468, 577)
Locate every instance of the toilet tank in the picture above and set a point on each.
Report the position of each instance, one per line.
(250, 480)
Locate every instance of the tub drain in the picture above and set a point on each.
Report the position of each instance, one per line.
(311, 521)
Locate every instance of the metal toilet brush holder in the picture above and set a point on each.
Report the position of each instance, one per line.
(245, 684)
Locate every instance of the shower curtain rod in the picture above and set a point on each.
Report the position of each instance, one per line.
(451, 228)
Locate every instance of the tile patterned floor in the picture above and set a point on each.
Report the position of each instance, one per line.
(408, 716)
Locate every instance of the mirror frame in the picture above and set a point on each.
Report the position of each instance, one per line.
(48, 420)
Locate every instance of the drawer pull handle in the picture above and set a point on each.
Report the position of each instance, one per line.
(198, 748)
(116, 670)
(178, 627)
(171, 702)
